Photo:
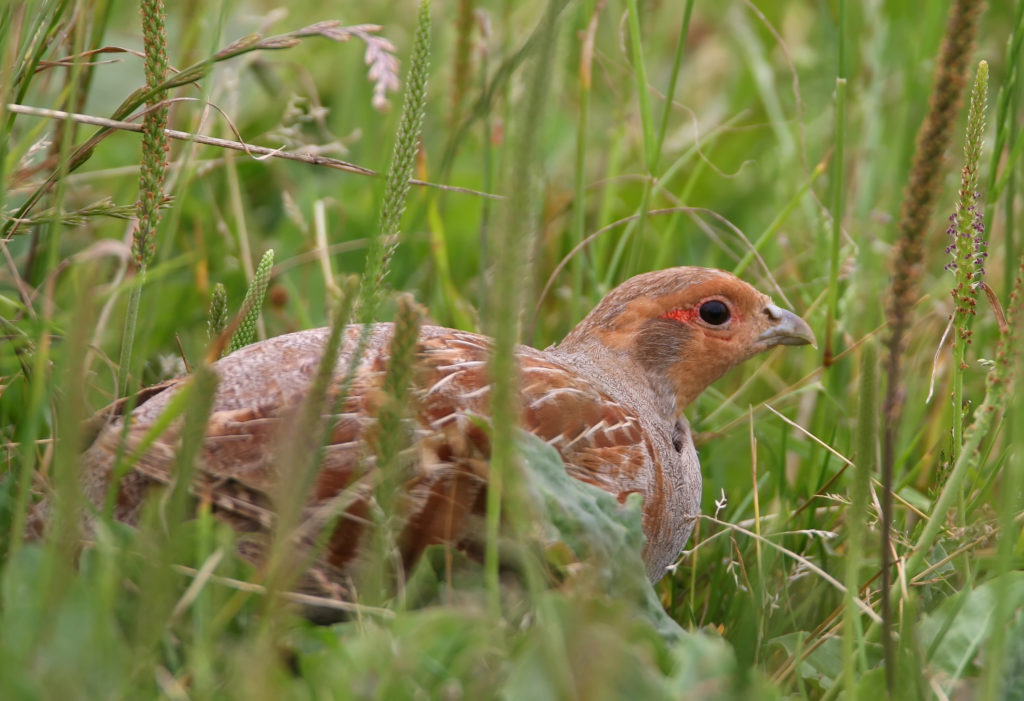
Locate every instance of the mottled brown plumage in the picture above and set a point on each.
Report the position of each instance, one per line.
(609, 398)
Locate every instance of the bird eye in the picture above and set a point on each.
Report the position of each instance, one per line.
(714, 312)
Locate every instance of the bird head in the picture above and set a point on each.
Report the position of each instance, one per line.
(688, 326)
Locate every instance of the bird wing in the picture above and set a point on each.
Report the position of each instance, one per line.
(242, 469)
(600, 440)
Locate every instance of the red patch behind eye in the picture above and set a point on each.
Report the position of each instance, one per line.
(684, 316)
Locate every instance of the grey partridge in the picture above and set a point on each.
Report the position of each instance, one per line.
(609, 398)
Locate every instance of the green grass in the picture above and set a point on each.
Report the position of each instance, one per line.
(785, 154)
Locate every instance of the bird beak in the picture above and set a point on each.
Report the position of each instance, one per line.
(786, 329)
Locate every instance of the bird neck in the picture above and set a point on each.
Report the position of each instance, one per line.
(618, 373)
(689, 378)
(675, 371)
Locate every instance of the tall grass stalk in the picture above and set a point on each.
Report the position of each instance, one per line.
(999, 379)
(1011, 484)
(151, 175)
(461, 61)
(58, 561)
(403, 158)
(1006, 134)
(45, 246)
(71, 411)
(20, 61)
(837, 188)
(967, 247)
(160, 541)
(217, 316)
(251, 305)
(397, 383)
(394, 437)
(305, 449)
(372, 288)
(922, 190)
(854, 658)
(301, 448)
(513, 239)
(368, 298)
(635, 230)
(677, 63)
(1009, 209)
(915, 216)
(592, 14)
(636, 54)
(38, 31)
